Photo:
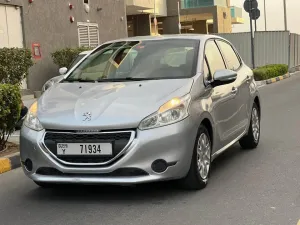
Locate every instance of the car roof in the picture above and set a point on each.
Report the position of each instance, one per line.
(85, 52)
(201, 37)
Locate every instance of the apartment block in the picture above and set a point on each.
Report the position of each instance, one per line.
(194, 16)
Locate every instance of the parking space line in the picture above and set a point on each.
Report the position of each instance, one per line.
(298, 222)
(5, 165)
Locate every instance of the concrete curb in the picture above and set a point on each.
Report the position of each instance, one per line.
(272, 80)
(10, 162)
(276, 79)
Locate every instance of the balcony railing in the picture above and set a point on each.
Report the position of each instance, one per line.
(236, 12)
(187, 4)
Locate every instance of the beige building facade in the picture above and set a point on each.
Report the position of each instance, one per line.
(194, 16)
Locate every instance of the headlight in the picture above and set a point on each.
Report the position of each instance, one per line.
(172, 111)
(51, 82)
(31, 121)
(47, 85)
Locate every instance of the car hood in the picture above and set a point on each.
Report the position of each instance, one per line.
(113, 105)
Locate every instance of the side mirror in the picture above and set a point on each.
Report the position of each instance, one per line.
(225, 76)
(63, 70)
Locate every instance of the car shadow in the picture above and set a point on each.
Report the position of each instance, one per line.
(228, 158)
(154, 193)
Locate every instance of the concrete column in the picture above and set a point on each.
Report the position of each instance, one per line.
(170, 25)
(210, 28)
(141, 25)
(200, 27)
(222, 23)
(228, 3)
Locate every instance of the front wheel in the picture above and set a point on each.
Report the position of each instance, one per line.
(251, 140)
(198, 174)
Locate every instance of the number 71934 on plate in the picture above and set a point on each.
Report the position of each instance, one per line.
(84, 149)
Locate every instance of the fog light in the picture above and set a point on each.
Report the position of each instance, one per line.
(28, 165)
(159, 166)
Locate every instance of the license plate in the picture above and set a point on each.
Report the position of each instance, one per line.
(84, 149)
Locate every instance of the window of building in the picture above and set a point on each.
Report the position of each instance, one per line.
(231, 58)
(214, 57)
(88, 34)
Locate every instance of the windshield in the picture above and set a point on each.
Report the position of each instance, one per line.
(76, 60)
(155, 59)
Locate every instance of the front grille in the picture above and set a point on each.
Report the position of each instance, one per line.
(122, 172)
(118, 139)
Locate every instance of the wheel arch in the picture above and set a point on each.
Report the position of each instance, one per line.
(257, 102)
(208, 124)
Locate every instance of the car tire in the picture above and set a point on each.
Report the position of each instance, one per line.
(196, 178)
(251, 140)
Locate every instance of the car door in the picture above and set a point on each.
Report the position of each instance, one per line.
(242, 86)
(224, 108)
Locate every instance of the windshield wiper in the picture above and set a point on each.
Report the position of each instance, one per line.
(123, 79)
(79, 80)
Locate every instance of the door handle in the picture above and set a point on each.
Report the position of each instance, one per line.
(234, 90)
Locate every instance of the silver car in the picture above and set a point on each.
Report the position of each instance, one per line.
(143, 109)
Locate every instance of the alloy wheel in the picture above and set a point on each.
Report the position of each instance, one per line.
(255, 124)
(203, 156)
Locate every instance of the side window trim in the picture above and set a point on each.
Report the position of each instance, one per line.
(234, 50)
(205, 79)
(206, 61)
(214, 40)
(222, 54)
(208, 67)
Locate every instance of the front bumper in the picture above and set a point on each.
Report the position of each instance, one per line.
(173, 143)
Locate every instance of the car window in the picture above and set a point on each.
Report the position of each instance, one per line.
(231, 58)
(175, 57)
(214, 58)
(153, 59)
(97, 66)
(127, 60)
(76, 60)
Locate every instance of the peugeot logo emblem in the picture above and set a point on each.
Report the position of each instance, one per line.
(87, 116)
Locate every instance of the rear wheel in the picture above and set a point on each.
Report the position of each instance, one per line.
(251, 140)
(198, 174)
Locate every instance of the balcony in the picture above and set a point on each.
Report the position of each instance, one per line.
(188, 4)
(135, 7)
(236, 15)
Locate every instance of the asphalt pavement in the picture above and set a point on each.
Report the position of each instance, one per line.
(259, 187)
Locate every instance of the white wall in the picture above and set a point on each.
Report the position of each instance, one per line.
(11, 33)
